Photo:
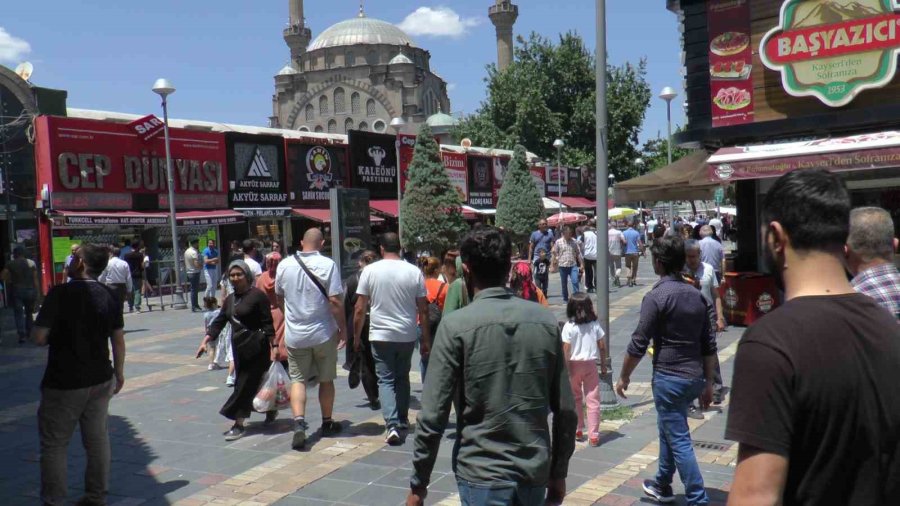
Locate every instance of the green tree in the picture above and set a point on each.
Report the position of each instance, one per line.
(548, 92)
(431, 213)
(520, 206)
(654, 153)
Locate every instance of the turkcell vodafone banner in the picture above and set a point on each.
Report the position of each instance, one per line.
(99, 165)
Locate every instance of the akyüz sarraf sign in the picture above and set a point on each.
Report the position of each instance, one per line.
(373, 164)
(256, 171)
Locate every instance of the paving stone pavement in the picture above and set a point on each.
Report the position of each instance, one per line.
(167, 444)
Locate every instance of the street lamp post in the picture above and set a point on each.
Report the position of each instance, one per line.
(639, 164)
(397, 125)
(668, 94)
(164, 88)
(558, 144)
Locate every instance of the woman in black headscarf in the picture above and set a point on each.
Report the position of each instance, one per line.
(247, 309)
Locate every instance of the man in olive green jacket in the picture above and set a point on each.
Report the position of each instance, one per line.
(500, 361)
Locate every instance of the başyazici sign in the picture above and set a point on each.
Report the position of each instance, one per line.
(352, 232)
(99, 165)
(256, 171)
(833, 49)
(315, 170)
(373, 164)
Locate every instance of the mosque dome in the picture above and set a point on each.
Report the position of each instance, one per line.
(400, 58)
(441, 120)
(287, 70)
(361, 30)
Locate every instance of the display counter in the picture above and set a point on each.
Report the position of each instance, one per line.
(748, 296)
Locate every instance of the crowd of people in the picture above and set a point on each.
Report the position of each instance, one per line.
(812, 423)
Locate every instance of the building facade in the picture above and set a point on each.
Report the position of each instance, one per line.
(356, 75)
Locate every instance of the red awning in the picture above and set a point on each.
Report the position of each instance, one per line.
(386, 207)
(202, 218)
(95, 218)
(577, 202)
(324, 215)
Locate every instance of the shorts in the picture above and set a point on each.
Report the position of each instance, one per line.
(318, 362)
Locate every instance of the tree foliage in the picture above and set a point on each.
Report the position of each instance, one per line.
(654, 153)
(431, 213)
(520, 206)
(548, 92)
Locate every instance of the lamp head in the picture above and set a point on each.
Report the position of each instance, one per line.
(397, 124)
(163, 87)
(639, 162)
(558, 143)
(668, 94)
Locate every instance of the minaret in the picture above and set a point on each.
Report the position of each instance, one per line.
(297, 35)
(503, 14)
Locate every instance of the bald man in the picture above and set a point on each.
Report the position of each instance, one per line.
(309, 291)
(711, 250)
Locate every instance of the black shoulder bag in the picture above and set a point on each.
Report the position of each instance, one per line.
(247, 344)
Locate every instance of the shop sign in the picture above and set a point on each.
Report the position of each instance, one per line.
(98, 221)
(775, 167)
(210, 221)
(147, 127)
(373, 163)
(730, 62)
(352, 233)
(103, 165)
(455, 165)
(256, 171)
(481, 185)
(315, 170)
(556, 177)
(834, 50)
(538, 174)
(264, 212)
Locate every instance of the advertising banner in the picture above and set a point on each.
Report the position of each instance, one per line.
(501, 165)
(730, 62)
(99, 165)
(481, 185)
(315, 170)
(774, 167)
(578, 183)
(373, 164)
(538, 174)
(455, 165)
(553, 176)
(407, 149)
(256, 172)
(351, 233)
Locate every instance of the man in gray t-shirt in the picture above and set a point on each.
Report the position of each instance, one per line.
(22, 287)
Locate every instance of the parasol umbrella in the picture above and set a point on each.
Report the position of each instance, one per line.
(618, 213)
(565, 219)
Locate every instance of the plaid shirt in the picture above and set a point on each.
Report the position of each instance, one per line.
(882, 283)
(568, 253)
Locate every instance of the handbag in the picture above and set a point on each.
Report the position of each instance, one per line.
(247, 344)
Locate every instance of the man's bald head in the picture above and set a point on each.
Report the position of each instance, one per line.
(706, 231)
(313, 240)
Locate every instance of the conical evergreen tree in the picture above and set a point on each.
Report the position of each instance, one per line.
(431, 213)
(520, 206)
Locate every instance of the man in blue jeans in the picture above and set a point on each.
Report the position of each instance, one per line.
(569, 259)
(677, 321)
(394, 290)
(633, 250)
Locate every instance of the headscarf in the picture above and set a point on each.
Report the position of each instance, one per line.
(242, 265)
(522, 283)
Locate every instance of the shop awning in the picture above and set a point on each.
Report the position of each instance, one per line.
(324, 215)
(684, 179)
(95, 218)
(856, 152)
(386, 207)
(576, 202)
(201, 218)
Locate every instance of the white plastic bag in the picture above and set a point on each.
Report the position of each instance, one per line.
(274, 392)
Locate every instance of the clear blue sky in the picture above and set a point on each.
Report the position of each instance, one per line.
(221, 55)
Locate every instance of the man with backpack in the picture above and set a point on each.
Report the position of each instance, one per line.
(309, 290)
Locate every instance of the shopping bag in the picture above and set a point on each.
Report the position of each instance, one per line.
(274, 392)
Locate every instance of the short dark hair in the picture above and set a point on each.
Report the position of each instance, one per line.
(390, 241)
(487, 252)
(249, 245)
(813, 207)
(580, 309)
(95, 257)
(136, 244)
(114, 251)
(18, 251)
(195, 241)
(668, 250)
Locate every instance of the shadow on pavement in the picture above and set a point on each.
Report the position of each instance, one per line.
(131, 475)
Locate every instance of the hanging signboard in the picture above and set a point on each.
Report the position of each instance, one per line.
(553, 176)
(481, 185)
(501, 165)
(373, 164)
(538, 174)
(351, 230)
(730, 62)
(455, 165)
(256, 172)
(407, 149)
(314, 170)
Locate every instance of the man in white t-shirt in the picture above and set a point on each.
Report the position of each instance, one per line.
(616, 243)
(589, 242)
(716, 223)
(314, 328)
(249, 248)
(394, 291)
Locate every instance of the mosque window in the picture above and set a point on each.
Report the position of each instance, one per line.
(354, 103)
(319, 129)
(323, 106)
(364, 126)
(339, 107)
(303, 129)
(372, 58)
(349, 59)
(370, 107)
(310, 112)
(348, 125)
(379, 126)
(332, 126)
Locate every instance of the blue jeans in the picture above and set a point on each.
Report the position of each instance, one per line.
(23, 310)
(392, 363)
(499, 494)
(567, 274)
(672, 395)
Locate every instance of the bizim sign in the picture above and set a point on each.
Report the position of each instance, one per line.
(834, 49)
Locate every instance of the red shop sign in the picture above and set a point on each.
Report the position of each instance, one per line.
(91, 160)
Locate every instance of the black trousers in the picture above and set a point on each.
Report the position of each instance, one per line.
(589, 277)
(367, 375)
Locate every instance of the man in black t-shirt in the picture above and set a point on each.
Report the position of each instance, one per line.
(814, 403)
(78, 320)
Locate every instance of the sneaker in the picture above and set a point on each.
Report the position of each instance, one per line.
(661, 494)
(393, 437)
(331, 428)
(212, 367)
(374, 404)
(229, 381)
(270, 417)
(579, 436)
(694, 412)
(299, 438)
(594, 441)
(236, 432)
